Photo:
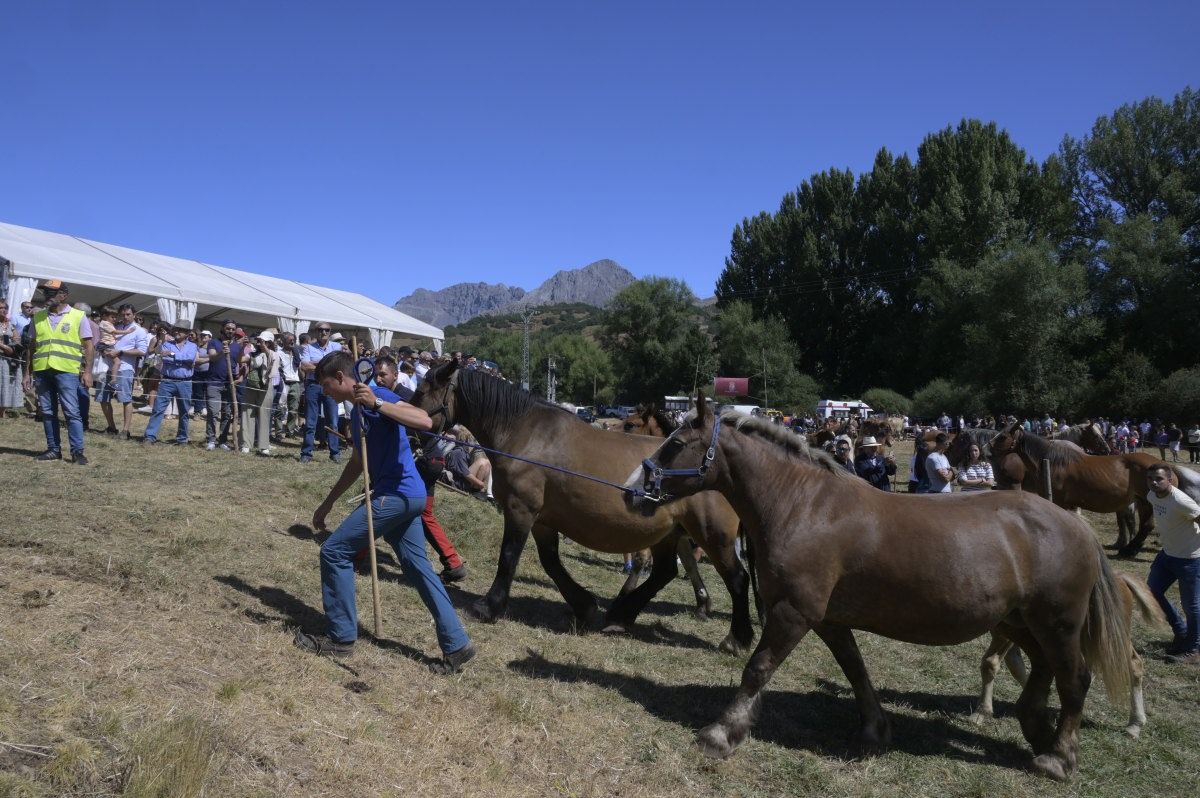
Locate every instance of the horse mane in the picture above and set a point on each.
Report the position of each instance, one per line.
(784, 438)
(497, 399)
(1059, 453)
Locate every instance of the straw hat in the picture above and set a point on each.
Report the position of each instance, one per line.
(869, 441)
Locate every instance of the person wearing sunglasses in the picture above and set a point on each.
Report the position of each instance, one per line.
(318, 406)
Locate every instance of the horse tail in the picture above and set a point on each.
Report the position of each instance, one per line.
(748, 547)
(1106, 635)
(1143, 601)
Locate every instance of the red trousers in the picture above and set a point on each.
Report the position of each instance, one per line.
(435, 535)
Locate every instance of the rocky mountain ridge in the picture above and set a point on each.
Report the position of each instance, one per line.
(595, 284)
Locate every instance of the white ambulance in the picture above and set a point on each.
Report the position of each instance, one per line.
(842, 408)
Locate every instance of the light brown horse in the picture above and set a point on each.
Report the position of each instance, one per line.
(1134, 594)
(934, 570)
(1100, 483)
(556, 495)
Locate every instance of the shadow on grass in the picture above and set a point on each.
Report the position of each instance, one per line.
(292, 612)
(26, 452)
(815, 721)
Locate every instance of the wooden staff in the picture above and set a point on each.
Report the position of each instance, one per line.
(232, 396)
(370, 516)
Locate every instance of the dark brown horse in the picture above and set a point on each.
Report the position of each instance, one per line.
(1008, 470)
(548, 501)
(934, 570)
(652, 422)
(1100, 483)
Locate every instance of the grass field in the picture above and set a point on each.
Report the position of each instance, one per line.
(149, 602)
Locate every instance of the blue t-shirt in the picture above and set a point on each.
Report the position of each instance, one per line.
(389, 459)
(218, 366)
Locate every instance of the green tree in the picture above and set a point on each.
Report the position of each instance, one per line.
(885, 400)
(652, 332)
(942, 395)
(583, 368)
(1136, 182)
(746, 346)
(1178, 396)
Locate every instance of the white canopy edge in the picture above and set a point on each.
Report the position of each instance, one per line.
(102, 273)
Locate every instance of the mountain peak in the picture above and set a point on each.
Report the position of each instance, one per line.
(594, 284)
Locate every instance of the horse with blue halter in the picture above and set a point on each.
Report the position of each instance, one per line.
(835, 555)
(553, 473)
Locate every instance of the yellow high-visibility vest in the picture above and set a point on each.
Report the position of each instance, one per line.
(59, 348)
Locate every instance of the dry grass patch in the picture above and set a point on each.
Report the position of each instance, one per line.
(149, 604)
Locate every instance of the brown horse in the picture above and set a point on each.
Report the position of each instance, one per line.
(1100, 483)
(1134, 593)
(555, 495)
(934, 570)
(649, 420)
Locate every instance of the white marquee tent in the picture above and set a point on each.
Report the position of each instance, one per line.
(175, 288)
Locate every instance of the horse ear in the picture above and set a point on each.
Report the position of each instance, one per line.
(701, 406)
(1012, 429)
(447, 371)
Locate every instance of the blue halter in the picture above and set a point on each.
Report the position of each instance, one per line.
(652, 485)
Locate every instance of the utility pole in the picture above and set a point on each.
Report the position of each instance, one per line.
(766, 399)
(551, 379)
(525, 317)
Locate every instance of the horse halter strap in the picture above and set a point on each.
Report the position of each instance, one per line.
(652, 488)
(443, 408)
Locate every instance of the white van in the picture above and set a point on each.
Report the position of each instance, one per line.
(842, 408)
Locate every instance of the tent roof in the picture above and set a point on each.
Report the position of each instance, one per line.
(104, 273)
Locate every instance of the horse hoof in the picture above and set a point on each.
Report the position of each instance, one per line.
(700, 614)
(615, 629)
(1051, 766)
(980, 717)
(713, 742)
(1133, 730)
(730, 645)
(481, 611)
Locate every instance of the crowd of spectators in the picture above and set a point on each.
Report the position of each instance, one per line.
(178, 373)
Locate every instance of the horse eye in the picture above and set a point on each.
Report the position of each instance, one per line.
(628, 427)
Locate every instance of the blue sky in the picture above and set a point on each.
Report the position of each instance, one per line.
(379, 147)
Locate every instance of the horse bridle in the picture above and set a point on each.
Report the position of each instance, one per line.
(443, 409)
(654, 473)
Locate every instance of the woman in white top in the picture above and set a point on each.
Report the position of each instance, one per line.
(977, 474)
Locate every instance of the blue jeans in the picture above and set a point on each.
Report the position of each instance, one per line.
(199, 393)
(55, 388)
(316, 400)
(85, 404)
(398, 520)
(1165, 571)
(169, 389)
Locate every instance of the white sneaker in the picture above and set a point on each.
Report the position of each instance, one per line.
(245, 450)
(265, 452)
(208, 447)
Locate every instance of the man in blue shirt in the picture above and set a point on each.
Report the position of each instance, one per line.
(128, 352)
(178, 368)
(315, 401)
(220, 354)
(397, 501)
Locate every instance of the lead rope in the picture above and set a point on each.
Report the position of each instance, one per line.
(547, 466)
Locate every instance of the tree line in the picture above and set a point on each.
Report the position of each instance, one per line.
(973, 279)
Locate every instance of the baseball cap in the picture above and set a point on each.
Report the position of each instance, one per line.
(55, 285)
(266, 335)
(337, 337)
(206, 332)
(239, 332)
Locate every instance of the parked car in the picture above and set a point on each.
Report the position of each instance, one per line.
(586, 413)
